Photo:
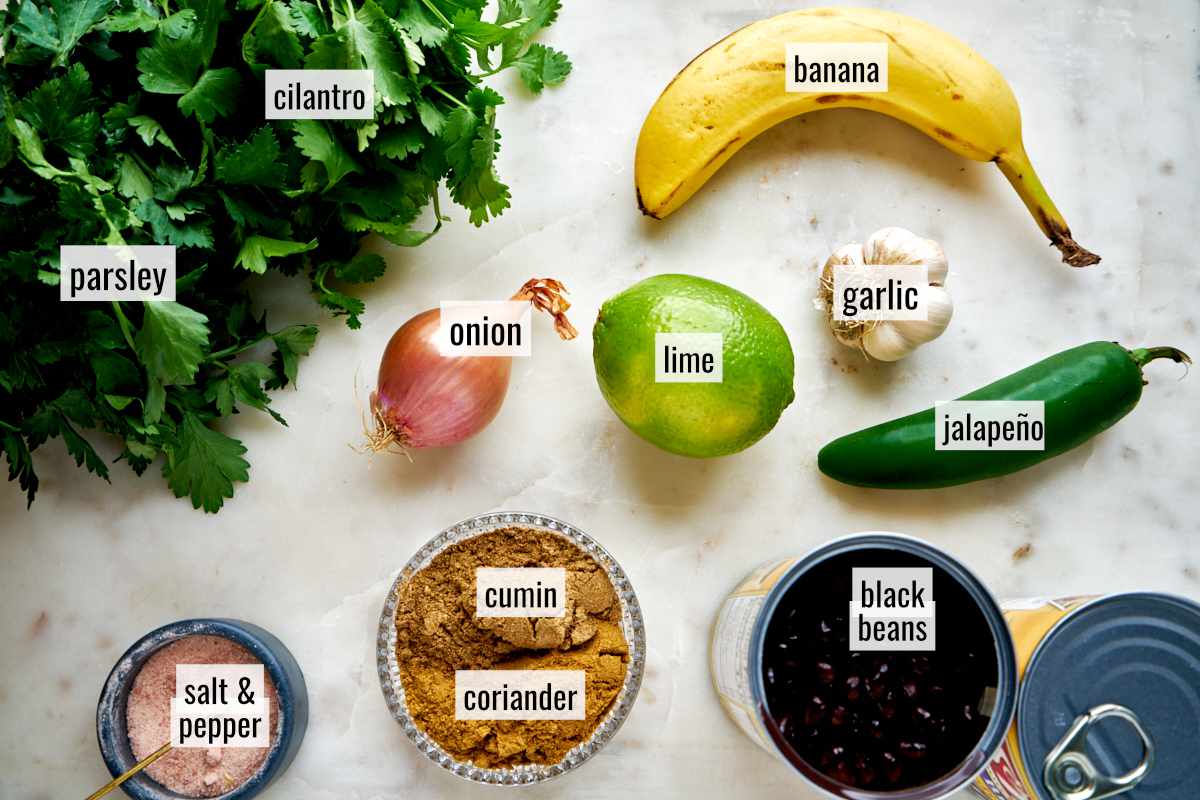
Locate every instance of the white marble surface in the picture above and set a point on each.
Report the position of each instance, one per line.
(1110, 96)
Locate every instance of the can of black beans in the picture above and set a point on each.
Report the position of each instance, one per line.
(877, 666)
(1109, 704)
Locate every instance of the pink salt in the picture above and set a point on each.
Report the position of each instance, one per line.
(195, 772)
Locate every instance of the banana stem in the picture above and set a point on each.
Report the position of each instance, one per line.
(1016, 167)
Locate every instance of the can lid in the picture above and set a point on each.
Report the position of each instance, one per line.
(1138, 653)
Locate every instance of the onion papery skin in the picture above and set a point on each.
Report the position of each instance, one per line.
(426, 399)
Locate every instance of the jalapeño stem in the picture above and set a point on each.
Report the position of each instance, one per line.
(1144, 355)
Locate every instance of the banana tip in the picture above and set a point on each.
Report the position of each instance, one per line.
(642, 206)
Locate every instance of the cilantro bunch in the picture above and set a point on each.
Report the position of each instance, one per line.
(141, 122)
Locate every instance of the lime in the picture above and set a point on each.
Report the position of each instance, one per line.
(697, 419)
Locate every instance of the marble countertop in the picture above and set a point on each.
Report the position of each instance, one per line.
(1109, 95)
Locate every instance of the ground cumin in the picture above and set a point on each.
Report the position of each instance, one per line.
(437, 633)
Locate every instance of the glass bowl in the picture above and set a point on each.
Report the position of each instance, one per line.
(631, 624)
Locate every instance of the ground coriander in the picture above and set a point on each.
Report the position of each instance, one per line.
(437, 632)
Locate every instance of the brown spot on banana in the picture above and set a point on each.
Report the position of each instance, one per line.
(717, 154)
(945, 134)
(642, 205)
(702, 52)
(834, 98)
(765, 66)
(955, 96)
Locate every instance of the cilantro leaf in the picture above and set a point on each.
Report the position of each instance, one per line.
(172, 341)
(400, 142)
(363, 268)
(307, 19)
(257, 249)
(363, 41)
(400, 234)
(203, 464)
(542, 66)
(412, 17)
(471, 144)
(481, 34)
(537, 14)
(431, 117)
(253, 163)
(315, 141)
(343, 305)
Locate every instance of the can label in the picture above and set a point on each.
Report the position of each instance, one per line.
(730, 654)
(1006, 777)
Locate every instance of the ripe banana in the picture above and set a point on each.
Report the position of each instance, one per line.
(734, 91)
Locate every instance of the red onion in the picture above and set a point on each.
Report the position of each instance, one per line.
(426, 399)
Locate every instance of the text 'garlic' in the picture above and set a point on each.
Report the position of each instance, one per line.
(891, 340)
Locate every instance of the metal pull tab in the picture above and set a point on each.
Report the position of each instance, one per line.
(1070, 775)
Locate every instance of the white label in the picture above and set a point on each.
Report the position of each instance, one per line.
(837, 67)
(868, 293)
(116, 272)
(520, 592)
(892, 608)
(320, 94)
(688, 358)
(990, 425)
(519, 694)
(220, 705)
(485, 328)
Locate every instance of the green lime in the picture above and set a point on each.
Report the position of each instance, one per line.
(697, 419)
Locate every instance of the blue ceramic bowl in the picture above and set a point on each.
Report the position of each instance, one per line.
(279, 664)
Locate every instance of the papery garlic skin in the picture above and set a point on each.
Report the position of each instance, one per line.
(899, 246)
(892, 340)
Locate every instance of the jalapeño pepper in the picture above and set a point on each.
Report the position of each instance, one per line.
(1085, 390)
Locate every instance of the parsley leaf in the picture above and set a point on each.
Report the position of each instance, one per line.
(214, 95)
(273, 34)
(60, 27)
(203, 464)
(290, 344)
(61, 108)
(150, 132)
(172, 341)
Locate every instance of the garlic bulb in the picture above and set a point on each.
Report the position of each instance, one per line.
(892, 340)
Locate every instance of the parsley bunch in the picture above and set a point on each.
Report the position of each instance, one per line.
(141, 122)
